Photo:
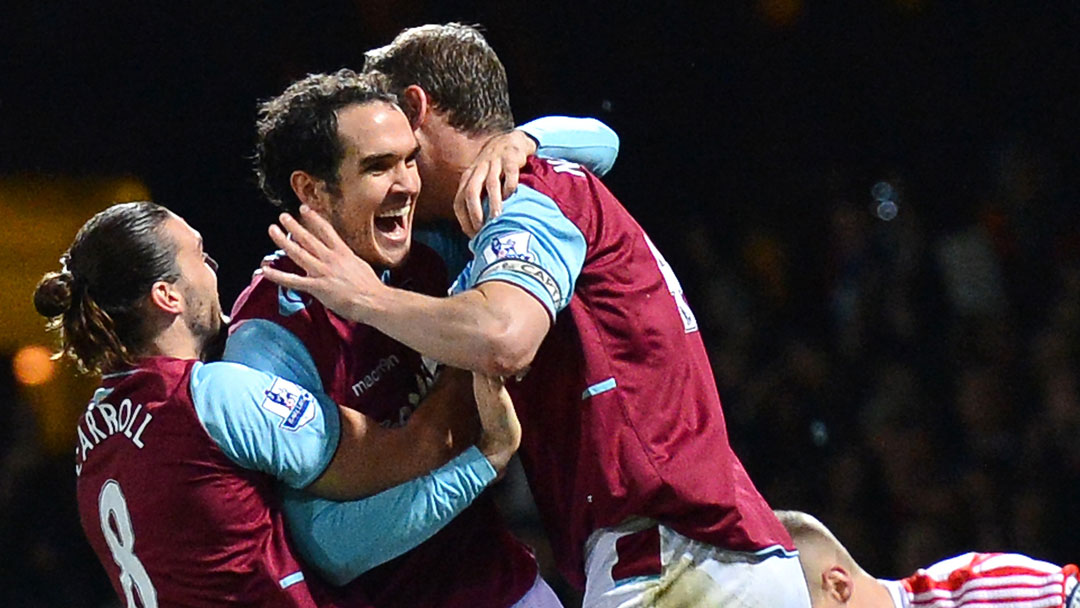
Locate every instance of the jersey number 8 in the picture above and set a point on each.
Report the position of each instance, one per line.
(116, 526)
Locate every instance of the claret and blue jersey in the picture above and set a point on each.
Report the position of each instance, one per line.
(378, 547)
(294, 337)
(619, 408)
(169, 513)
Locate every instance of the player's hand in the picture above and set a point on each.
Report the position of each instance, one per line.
(335, 275)
(498, 420)
(494, 172)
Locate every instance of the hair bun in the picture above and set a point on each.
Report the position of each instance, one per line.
(52, 297)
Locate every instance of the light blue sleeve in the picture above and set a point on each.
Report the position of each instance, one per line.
(585, 141)
(266, 423)
(342, 540)
(269, 347)
(531, 245)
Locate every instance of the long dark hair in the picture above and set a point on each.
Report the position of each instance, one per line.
(96, 300)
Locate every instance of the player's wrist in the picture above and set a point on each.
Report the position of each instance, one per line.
(371, 306)
(528, 143)
(498, 452)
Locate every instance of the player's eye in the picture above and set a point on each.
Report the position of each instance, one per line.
(209, 261)
(380, 167)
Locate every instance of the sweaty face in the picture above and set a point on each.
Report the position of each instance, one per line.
(197, 283)
(378, 183)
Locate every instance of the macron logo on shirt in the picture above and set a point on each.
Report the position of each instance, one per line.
(294, 405)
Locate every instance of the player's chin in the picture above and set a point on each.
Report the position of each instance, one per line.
(394, 253)
(215, 333)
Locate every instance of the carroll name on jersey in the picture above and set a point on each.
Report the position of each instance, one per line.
(104, 420)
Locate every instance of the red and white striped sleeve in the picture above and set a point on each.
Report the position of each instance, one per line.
(992, 580)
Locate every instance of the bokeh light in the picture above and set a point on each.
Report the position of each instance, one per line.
(33, 365)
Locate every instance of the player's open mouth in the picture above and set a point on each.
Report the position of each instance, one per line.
(392, 223)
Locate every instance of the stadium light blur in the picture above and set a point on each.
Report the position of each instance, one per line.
(33, 365)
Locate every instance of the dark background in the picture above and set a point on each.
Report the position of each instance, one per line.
(913, 382)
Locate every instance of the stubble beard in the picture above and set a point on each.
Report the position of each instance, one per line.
(204, 321)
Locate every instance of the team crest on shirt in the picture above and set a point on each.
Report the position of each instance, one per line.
(294, 405)
(513, 246)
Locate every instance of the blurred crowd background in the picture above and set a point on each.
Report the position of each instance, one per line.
(872, 206)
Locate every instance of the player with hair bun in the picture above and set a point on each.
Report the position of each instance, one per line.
(98, 313)
(177, 461)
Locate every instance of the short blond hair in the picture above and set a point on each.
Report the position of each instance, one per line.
(815, 542)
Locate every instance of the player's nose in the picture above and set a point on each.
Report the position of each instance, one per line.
(407, 179)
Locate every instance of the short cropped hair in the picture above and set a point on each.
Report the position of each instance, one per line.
(812, 536)
(298, 130)
(456, 67)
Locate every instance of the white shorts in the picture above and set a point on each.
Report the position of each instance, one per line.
(540, 595)
(692, 575)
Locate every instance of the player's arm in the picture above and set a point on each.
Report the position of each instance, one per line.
(370, 458)
(272, 425)
(342, 540)
(586, 141)
(494, 172)
(496, 327)
(365, 457)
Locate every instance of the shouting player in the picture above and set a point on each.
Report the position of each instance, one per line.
(624, 441)
(177, 460)
(1001, 580)
(340, 144)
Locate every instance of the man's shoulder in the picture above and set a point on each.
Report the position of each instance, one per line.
(548, 174)
(570, 187)
(153, 379)
(263, 299)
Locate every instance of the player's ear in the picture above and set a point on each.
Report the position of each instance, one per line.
(166, 297)
(416, 104)
(838, 584)
(310, 190)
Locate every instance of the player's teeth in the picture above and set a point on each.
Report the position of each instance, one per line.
(402, 212)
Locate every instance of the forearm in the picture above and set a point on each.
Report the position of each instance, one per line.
(342, 540)
(371, 458)
(463, 331)
(494, 328)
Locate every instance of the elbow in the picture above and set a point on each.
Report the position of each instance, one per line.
(506, 364)
(506, 352)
